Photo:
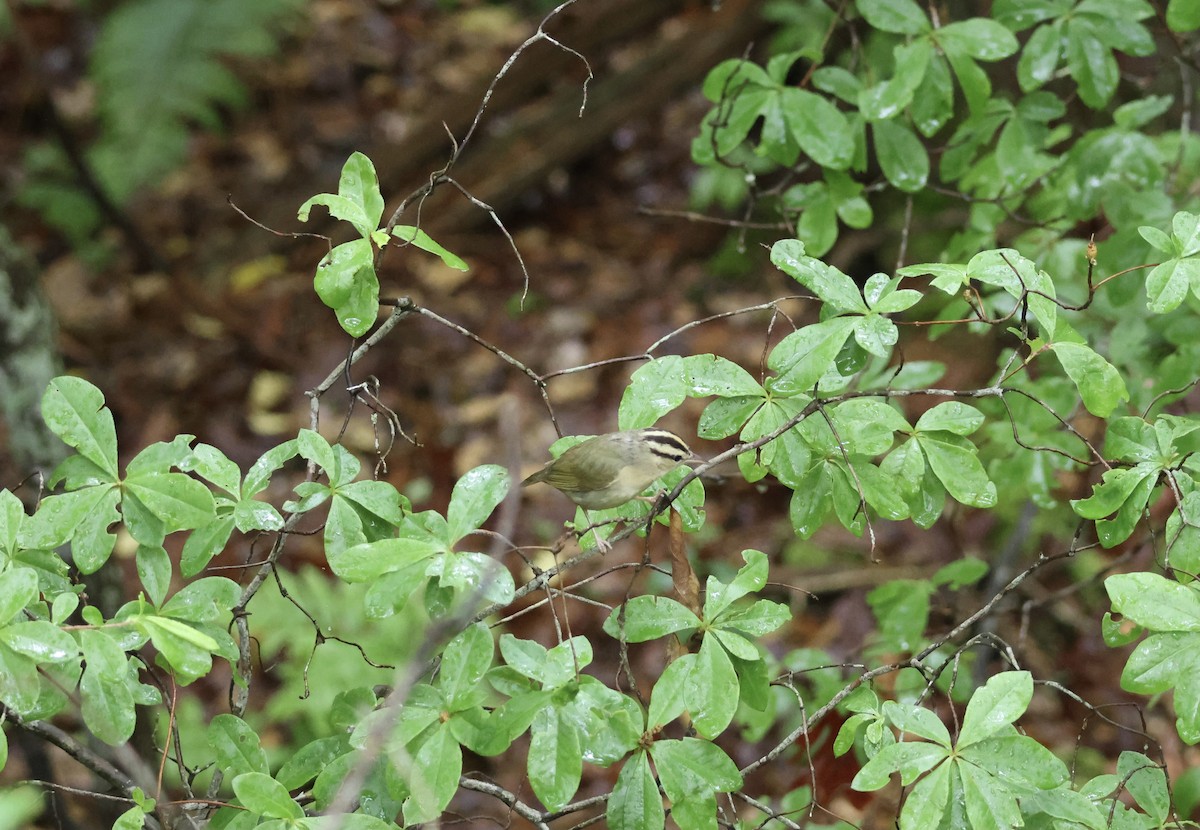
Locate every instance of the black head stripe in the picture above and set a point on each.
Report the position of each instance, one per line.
(668, 446)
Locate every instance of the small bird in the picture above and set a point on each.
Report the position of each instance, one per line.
(609, 470)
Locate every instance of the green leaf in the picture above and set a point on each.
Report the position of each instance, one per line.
(154, 571)
(829, 284)
(358, 200)
(698, 812)
(838, 82)
(733, 74)
(946, 277)
(74, 410)
(903, 17)
(881, 294)
(475, 496)
(1090, 62)
(1123, 492)
(1021, 278)
(805, 356)
(346, 282)
(818, 226)
(108, 705)
(177, 500)
(91, 543)
(611, 723)
(375, 499)
(909, 758)
(712, 690)
(187, 650)
(464, 662)
(848, 732)
(951, 416)
(1154, 601)
(750, 577)
(960, 573)
(205, 543)
(422, 240)
(1183, 15)
(901, 155)
(727, 126)
(927, 803)
(262, 794)
(555, 758)
(1019, 759)
(1147, 783)
(982, 39)
(1167, 284)
(1072, 807)
(1115, 24)
(40, 640)
(237, 746)
(1040, 57)
(955, 462)
(143, 525)
(1021, 14)
(12, 517)
(973, 81)
(1131, 439)
(635, 803)
(655, 389)
(212, 465)
(18, 588)
(19, 683)
(306, 763)
(259, 474)
(433, 776)
(565, 660)
(669, 697)
(819, 127)
(491, 733)
(20, 805)
(63, 606)
(902, 608)
(1185, 228)
(877, 335)
(989, 801)
(933, 100)
(691, 767)
(709, 374)
(880, 492)
(866, 426)
(312, 446)
(812, 497)
(206, 600)
(1100, 384)
(737, 646)
(1002, 700)
(371, 560)
(250, 514)
(525, 656)
(1135, 114)
(648, 617)
(888, 99)
(916, 721)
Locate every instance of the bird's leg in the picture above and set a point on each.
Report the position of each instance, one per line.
(602, 544)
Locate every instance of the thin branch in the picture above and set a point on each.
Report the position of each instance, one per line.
(522, 809)
(85, 756)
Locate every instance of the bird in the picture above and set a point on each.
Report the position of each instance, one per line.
(608, 470)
